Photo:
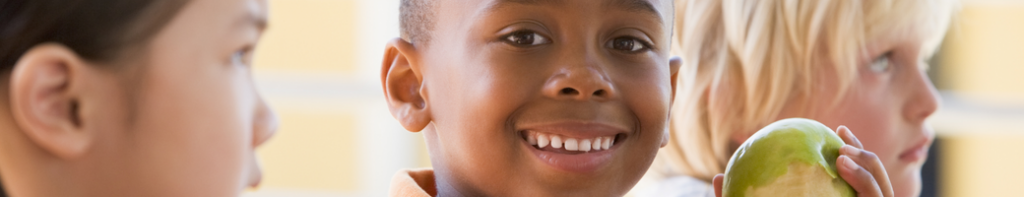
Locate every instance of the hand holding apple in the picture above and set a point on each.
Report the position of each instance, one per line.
(801, 157)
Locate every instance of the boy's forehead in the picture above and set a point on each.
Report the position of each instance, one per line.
(661, 9)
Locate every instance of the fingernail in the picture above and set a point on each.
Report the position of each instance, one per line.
(850, 150)
(847, 133)
(848, 163)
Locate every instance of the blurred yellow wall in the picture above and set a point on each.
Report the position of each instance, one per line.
(983, 121)
(982, 165)
(310, 35)
(985, 52)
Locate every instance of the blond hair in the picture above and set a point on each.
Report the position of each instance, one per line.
(744, 59)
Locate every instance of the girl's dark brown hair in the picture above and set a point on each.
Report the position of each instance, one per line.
(96, 30)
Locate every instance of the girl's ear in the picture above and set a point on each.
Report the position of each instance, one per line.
(402, 81)
(45, 103)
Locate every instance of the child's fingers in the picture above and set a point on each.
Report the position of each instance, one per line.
(863, 168)
(858, 178)
(848, 137)
(717, 183)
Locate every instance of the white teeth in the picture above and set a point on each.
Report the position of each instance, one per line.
(571, 144)
(585, 145)
(556, 141)
(542, 140)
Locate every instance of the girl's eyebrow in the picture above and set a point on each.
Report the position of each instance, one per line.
(253, 16)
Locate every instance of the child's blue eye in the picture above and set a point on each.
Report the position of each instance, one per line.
(881, 63)
(526, 38)
(627, 44)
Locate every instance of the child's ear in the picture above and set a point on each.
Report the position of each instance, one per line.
(673, 67)
(402, 80)
(45, 103)
(673, 64)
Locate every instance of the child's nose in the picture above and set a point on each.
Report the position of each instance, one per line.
(923, 100)
(579, 83)
(264, 125)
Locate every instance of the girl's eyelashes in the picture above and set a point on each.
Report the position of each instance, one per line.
(526, 38)
(882, 63)
(242, 57)
(628, 44)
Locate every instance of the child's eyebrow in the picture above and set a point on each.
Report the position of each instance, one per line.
(252, 19)
(637, 6)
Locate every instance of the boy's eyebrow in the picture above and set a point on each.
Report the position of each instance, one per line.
(638, 6)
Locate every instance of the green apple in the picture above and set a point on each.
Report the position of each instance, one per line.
(790, 157)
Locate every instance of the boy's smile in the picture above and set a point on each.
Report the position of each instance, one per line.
(537, 98)
(577, 137)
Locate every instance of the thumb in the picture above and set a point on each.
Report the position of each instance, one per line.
(717, 183)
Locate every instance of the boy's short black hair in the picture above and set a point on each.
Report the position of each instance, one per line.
(417, 20)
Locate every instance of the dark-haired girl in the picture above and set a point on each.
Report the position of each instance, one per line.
(130, 97)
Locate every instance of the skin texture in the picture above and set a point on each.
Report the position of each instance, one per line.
(472, 92)
(794, 151)
(182, 119)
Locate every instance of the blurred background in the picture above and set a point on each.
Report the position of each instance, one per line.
(318, 66)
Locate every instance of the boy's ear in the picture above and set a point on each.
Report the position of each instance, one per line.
(402, 80)
(44, 102)
(673, 64)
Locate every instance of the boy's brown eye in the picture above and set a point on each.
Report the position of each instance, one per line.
(526, 38)
(627, 44)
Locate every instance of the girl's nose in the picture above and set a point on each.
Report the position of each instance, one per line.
(265, 124)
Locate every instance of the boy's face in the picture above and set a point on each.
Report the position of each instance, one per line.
(502, 78)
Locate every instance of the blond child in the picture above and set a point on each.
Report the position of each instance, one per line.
(130, 97)
(854, 63)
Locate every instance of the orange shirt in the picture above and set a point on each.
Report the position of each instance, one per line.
(413, 183)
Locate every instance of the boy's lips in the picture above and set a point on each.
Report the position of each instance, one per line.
(580, 147)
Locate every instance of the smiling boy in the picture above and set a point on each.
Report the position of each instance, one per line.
(531, 98)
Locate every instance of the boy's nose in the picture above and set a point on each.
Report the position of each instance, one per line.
(579, 83)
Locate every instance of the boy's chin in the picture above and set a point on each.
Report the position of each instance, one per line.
(588, 173)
